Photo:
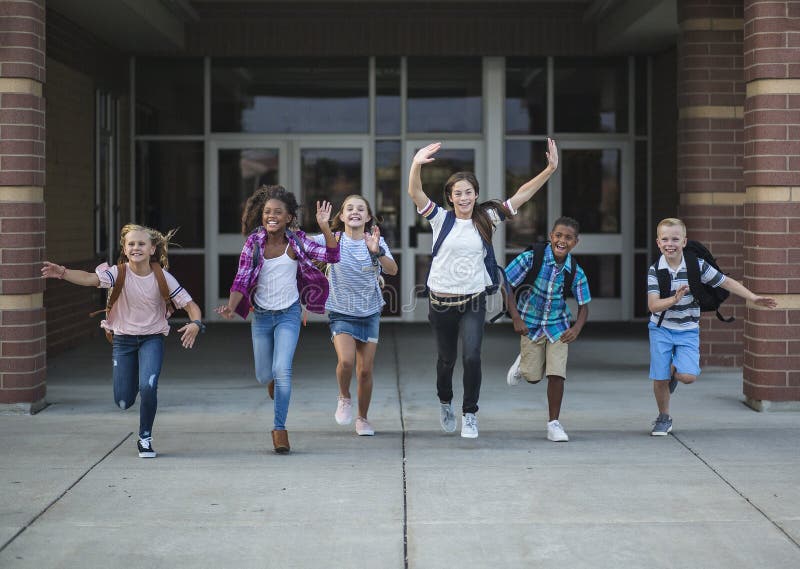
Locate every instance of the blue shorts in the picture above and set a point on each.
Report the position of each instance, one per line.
(361, 328)
(680, 348)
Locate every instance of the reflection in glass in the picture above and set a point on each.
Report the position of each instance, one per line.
(591, 189)
(169, 95)
(525, 159)
(640, 193)
(241, 172)
(602, 272)
(169, 188)
(290, 95)
(387, 95)
(387, 190)
(591, 95)
(526, 95)
(329, 174)
(444, 94)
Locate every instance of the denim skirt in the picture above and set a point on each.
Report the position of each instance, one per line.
(361, 328)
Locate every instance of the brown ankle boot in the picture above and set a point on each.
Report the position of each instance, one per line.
(280, 440)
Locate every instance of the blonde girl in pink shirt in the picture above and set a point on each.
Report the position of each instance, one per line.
(138, 320)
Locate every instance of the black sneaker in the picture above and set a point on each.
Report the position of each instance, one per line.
(673, 383)
(146, 449)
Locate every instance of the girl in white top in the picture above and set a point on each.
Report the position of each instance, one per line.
(459, 276)
(355, 303)
(138, 320)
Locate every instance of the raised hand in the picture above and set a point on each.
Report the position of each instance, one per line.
(425, 154)
(323, 213)
(373, 239)
(552, 154)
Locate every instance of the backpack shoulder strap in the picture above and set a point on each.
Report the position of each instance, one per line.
(664, 287)
(536, 267)
(693, 273)
(449, 222)
(162, 282)
(119, 284)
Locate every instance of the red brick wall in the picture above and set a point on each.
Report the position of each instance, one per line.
(772, 210)
(22, 212)
(711, 187)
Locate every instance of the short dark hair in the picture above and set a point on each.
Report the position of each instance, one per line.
(569, 222)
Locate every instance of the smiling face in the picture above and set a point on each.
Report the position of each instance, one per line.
(139, 247)
(355, 213)
(463, 196)
(275, 216)
(563, 239)
(671, 241)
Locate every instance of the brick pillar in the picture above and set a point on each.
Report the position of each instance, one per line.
(22, 170)
(710, 181)
(772, 203)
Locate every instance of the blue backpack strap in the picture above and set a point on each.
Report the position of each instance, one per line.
(447, 226)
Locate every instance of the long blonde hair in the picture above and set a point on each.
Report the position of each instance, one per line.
(160, 240)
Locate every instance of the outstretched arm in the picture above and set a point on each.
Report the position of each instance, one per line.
(423, 156)
(74, 276)
(739, 289)
(527, 190)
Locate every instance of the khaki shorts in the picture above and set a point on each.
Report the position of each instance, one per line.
(542, 358)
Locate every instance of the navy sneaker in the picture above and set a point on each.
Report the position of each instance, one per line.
(146, 449)
(662, 426)
(673, 383)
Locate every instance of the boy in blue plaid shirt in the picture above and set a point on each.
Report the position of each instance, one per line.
(541, 316)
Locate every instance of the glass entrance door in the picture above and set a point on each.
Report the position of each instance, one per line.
(594, 185)
(454, 156)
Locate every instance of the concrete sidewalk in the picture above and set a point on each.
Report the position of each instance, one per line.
(723, 492)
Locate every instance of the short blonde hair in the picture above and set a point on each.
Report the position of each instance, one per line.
(671, 222)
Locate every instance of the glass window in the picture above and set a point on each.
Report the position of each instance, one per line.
(388, 191)
(241, 172)
(228, 267)
(290, 95)
(190, 270)
(591, 95)
(640, 192)
(640, 285)
(526, 95)
(169, 188)
(169, 95)
(642, 102)
(525, 159)
(591, 188)
(444, 94)
(329, 174)
(387, 95)
(602, 272)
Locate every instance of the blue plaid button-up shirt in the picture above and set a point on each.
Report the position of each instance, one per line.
(543, 308)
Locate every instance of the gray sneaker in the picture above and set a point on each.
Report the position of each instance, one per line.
(446, 417)
(469, 426)
(662, 426)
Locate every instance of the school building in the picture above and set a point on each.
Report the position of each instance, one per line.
(170, 113)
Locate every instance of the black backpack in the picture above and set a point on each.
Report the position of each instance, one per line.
(708, 297)
(527, 283)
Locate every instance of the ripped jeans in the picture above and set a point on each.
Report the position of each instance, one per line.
(137, 365)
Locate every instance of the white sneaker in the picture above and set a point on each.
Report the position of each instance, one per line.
(363, 428)
(556, 433)
(446, 417)
(513, 377)
(469, 426)
(344, 411)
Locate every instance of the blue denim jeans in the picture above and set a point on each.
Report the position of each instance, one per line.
(450, 323)
(275, 334)
(137, 366)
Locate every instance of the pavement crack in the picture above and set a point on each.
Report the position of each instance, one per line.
(739, 492)
(403, 446)
(64, 493)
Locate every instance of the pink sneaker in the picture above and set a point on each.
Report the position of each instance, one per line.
(363, 428)
(344, 411)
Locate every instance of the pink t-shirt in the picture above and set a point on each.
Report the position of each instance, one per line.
(140, 310)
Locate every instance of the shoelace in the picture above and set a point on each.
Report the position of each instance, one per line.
(146, 442)
(470, 421)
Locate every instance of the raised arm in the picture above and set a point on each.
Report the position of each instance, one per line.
(423, 156)
(527, 190)
(74, 276)
(739, 289)
(323, 217)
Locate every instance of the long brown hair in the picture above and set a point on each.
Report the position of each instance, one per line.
(480, 213)
(160, 240)
(337, 224)
(254, 207)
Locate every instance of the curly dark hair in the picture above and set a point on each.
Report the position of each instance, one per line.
(251, 217)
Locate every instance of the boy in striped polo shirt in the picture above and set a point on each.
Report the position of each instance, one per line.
(675, 344)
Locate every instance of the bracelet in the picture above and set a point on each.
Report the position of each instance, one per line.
(375, 256)
(200, 325)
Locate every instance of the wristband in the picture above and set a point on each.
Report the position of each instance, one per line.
(200, 325)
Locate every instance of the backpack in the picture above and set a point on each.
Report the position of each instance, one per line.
(708, 297)
(527, 283)
(119, 285)
(496, 273)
